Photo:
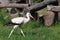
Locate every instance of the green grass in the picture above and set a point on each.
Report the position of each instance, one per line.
(32, 30)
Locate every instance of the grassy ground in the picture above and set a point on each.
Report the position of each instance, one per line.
(32, 30)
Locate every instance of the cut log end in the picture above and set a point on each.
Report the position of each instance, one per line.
(49, 18)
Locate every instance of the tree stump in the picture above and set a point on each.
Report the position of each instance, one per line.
(49, 17)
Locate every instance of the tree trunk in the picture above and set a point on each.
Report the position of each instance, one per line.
(58, 12)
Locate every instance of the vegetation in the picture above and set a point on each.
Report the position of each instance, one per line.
(32, 30)
(37, 1)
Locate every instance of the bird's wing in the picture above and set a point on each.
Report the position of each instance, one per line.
(26, 20)
(18, 20)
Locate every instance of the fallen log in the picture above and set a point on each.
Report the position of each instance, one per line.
(13, 5)
(40, 5)
(54, 8)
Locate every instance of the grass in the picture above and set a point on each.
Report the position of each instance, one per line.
(32, 30)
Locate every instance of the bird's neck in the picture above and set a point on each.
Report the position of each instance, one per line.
(28, 18)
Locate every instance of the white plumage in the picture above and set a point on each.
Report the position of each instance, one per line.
(19, 20)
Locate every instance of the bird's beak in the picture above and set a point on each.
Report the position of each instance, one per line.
(31, 16)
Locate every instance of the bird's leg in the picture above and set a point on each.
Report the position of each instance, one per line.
(22, 33)
(10, 33)
(15, 26)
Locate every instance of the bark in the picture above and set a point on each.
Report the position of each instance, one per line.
(55, 8)
(41, 5)
(30, 2)
(59, 12)
(13, 5)
(49, 18)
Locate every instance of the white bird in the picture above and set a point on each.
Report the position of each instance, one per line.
(19, 20)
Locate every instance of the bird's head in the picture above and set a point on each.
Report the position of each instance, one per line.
(28, 14)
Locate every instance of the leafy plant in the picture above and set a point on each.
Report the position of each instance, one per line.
(36, 1)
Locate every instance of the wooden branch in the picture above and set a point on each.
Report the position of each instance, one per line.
(30, 2)
(41, 5)
(13, 5)
(54, 8)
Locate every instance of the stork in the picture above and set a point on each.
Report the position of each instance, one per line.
(19, 20)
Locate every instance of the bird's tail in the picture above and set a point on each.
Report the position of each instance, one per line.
(7, 23)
